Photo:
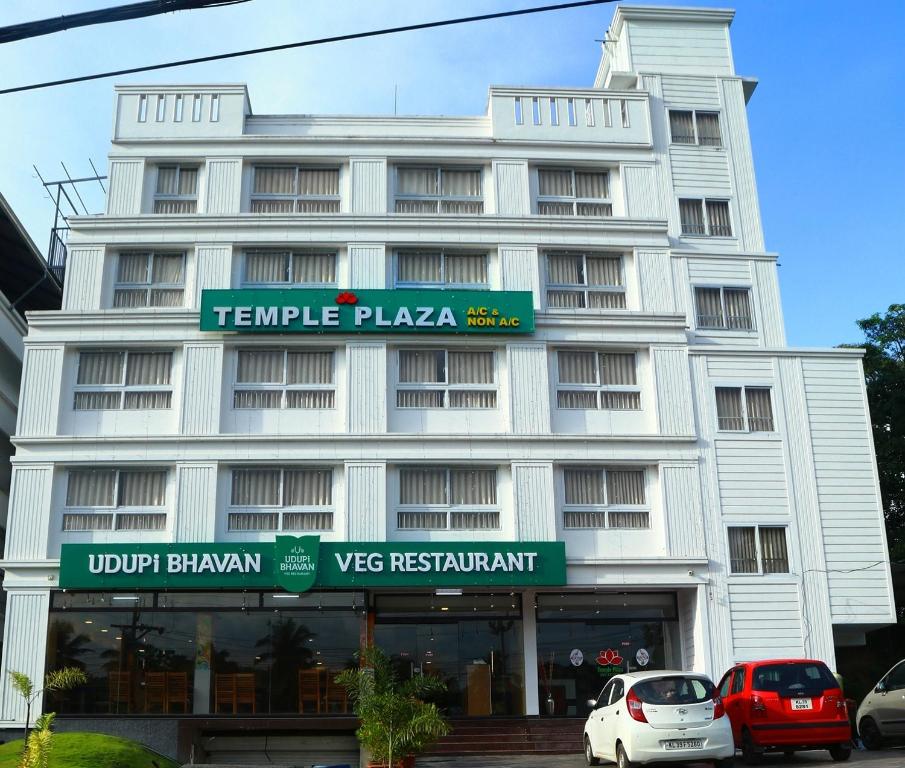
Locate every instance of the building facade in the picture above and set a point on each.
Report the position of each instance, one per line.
(518, 383)
(26, 284)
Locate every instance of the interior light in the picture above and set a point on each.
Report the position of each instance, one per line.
(284, 596)
(133, 598)
(89, 621)
(444, 607)
(118, 637)
(105, 630)
(448, 592)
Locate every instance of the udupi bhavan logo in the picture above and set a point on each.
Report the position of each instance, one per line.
(295, 562)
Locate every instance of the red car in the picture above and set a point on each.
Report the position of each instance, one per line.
(786, 705)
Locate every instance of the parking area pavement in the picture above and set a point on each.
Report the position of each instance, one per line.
(887, 758)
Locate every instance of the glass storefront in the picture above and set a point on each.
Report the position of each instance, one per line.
(584, 639)
(223, 653)
(473, 642)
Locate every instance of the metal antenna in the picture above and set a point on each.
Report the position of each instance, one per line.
(75, 189)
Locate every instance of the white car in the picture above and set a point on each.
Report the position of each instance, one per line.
(882, 713)
(645, 717)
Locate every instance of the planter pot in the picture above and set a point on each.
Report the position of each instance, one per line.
(551, 706)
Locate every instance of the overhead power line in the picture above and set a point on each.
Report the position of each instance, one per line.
(306, 43)
(104, 16)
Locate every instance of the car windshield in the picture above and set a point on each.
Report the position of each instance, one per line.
(674, 690)
(794, 678)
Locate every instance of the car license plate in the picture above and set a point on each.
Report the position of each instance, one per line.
(802, 704)
(685, 744)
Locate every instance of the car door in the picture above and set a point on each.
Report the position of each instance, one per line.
(613, 717)
(891, 703)
(736, 705)
(597, 719)
(724, 689)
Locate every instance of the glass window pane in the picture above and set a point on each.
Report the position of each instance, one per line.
(472, 486)
(592, 185)
(151, 368)
(774, 556)
(167, 180)
(718, 218)
(104, 367)
(417, 181)
(584, 486)
(565, 269)
(132, 268)
(90, 488)
(313, 267)
(310, 368)
(188, 180)
(266, 267)
(318, 181)
(422, 485)
(742, 550)
(168, 268)
(691, 215)
(555, 182)
(308, 488)
(625, 486)
(604, 270)
(142, 489)
(618, 369)
(709, 308)
(577, 367)
(681, 125)
(419, 267)
(729, 408)
(738, 308)
(460, 183)
(422, 366)
(260, 367)
(274, 180)
(709, 129)
(471, 367)
(255, 488)
(466, 269)
(760, 410)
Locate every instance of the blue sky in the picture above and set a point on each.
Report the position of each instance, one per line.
(826, 120)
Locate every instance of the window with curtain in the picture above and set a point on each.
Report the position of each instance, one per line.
(281, 499)
(149, 279)
(758, 549)
(434, 189)
(744, 409)
(115, 499)
(604, 498)
(264, 267)
(694, 127)
(446, 378)
(723, 308)
(443, 498)
(177, 189)
(585, 281)
(441, 269)
(123, 379)
(284, 379)
(571, 192)
(708, 218)
(295, 189)
(592, 380)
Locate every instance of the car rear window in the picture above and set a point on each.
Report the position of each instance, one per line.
(794, 678)
(674, 690)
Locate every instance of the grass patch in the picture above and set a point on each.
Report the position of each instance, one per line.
(90, 750)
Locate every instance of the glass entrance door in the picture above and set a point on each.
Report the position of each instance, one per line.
(472, 642)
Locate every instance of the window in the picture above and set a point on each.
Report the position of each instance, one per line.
(705, 217)
(439, 190)
(744, 409)
(310, 268)
(177, 189)
(570, 111)
(118, 379)
(758, 549)
(196, 108)
(286, 499)
(585, 281)
(738, 682)
(589, 112)
(567, 192)
(215, 108)
(284, 379)
(115, 499)
(554, 111)
(142, 108)
(438, 498)
(604, 498)
(623, 112)
(597, 380)
(295, 189)
(440, 378)
(535, 110)
(161, 108)
(724, 308)
(177, 108)
(519, 115)
(438, 269)
(149, 279)
(692, 127)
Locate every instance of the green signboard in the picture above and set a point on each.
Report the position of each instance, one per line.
(299, 563)
(322, 310)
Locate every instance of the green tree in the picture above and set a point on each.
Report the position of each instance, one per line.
(39, 743)
(884, 371)
(395, 720)
(57, 680)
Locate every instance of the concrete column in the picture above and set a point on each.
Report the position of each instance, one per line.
(529, 640)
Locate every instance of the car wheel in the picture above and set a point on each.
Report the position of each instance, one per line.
(870, 734)
(622, 760)
(589, 753)
(750, 753)
(841, 752)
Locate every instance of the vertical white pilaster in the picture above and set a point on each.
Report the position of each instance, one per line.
(366, 500)
(529, 638)
(367, 366)
(24, 649)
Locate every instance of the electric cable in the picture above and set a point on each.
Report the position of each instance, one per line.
(306, 43)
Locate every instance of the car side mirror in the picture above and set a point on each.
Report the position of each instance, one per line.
(592, 703)
(881, 687)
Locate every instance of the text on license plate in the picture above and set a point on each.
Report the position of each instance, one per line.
(802, 704)
(684, 744)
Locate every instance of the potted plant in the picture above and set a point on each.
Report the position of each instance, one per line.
(396, 722)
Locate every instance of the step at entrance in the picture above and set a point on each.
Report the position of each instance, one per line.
(512, 736)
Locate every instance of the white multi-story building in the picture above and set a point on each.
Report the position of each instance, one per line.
(252, 344)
